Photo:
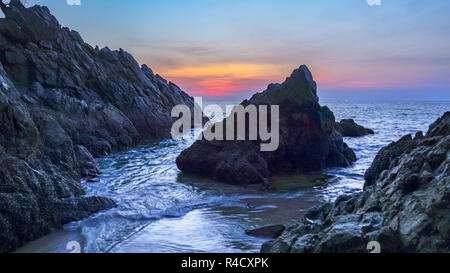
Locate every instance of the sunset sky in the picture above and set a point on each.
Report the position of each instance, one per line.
(231, 49)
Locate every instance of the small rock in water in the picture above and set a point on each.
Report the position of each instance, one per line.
(349, 128)
(266, 232)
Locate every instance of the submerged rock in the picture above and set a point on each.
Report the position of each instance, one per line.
(266, 232)
(308, 140)
(61, 103)
(349, 128)
(405, 205)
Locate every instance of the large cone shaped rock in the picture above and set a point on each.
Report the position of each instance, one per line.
(308, 139)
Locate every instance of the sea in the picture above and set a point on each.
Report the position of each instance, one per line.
(161, 210)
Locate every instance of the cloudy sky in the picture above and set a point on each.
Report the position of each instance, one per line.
(232, 48)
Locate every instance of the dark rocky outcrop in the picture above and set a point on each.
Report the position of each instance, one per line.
(40, 170)
(349, 128)
(405, 205)
(62, 102)
(101, 98)
(308, 139)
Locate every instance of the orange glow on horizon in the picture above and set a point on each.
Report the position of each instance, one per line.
(221, 80)
(232, 70)
(229, 79)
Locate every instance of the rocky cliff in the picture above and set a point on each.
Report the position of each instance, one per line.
(63, 102)
(308, 139)
(405, 205)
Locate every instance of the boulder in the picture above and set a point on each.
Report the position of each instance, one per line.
(404, 206)
(308, 141)
(266, 232)
(386, 157)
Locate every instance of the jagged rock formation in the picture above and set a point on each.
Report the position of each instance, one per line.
(101, 98)
(61, 103)
(40, 169)
(405, 205)
(349, 128)
(308, 139)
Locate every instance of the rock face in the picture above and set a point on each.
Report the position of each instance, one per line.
(308, 139)
(349, 128)
(101, 98)
(405, 205)
(63, 102)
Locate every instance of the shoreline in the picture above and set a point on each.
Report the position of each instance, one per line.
(289, 181)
